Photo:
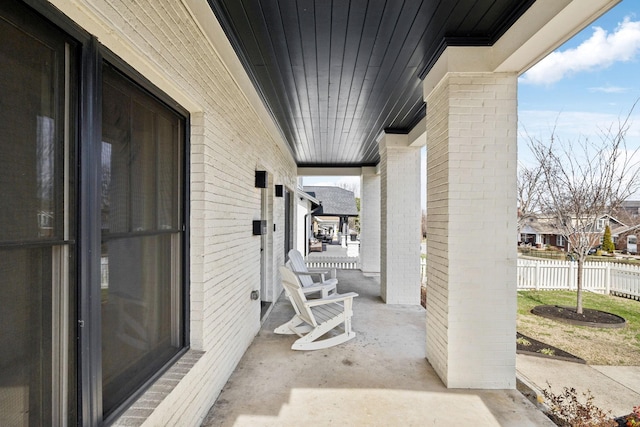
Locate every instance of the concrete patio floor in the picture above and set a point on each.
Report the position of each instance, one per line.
(380, 378)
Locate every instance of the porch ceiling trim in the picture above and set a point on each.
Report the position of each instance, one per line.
(543, 27)
(210, 27)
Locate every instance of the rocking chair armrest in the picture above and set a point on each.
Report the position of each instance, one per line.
(329, 272)
(311, 273)
(303, 273)
(318, 270)
(317, 287)
(331, 299)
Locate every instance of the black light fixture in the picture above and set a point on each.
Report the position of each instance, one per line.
(261, 179)
(259, 227)
(279, 190)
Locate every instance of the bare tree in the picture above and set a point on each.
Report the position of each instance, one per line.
(529, 188)
(350, 186)
(583, 181)
(354, 221)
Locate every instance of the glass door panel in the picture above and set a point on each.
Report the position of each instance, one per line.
(25, 341)
(37, 362)
(141, 252)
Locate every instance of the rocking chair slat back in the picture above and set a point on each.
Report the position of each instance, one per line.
(292, 286)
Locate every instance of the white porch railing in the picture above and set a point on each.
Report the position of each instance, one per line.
(602, 277)
(339, 263)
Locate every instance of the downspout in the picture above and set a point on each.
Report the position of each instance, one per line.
(307, 224)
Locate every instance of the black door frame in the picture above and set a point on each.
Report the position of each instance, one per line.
(88, 136)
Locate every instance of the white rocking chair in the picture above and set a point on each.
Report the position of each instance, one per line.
(326, 285)
(315, 318)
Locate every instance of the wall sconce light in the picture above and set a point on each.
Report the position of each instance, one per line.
(261, 179)
(259, 227)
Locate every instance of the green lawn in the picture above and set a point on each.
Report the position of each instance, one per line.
(596, 346)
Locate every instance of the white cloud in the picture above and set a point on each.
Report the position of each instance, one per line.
(600, 51)
(609, 89)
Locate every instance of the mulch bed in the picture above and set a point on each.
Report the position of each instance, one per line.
(588, 317)
(535, 348)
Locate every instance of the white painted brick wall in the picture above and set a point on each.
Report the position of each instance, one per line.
(400, 221)
(228, 143)
(437, 223)
(370, 222)
(471, 195)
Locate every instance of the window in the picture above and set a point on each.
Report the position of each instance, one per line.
(559, 241)
(142, 146)
(37, 229)
(134, 212)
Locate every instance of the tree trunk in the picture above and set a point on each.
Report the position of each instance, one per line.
(579, 292)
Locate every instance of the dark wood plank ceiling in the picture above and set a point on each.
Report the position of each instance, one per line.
(335, 73)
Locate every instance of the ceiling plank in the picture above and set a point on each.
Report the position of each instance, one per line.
(335, 73)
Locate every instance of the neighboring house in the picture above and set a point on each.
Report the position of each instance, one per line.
(629, 212)
(615, 225)
(331, 217)
(306, 204)
(627, 240)
(542, 231)
(631, 208)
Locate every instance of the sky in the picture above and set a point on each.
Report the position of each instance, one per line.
(584, 86)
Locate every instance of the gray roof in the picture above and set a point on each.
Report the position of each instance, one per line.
(631, 204)
(533, 224)
(335, 201)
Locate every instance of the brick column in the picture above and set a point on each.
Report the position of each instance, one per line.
(400, 220)
(471, 215)
(370, 221)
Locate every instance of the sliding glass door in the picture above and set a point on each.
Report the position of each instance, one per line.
(142, 146)
(37, 227)
(92, 180)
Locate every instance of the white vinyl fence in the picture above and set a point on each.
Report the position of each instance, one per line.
(602, 277)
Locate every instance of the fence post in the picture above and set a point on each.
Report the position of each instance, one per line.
(607, 279)
(571, 275)
(537, 276)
